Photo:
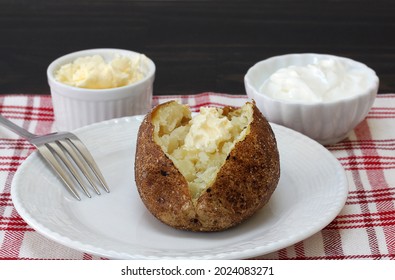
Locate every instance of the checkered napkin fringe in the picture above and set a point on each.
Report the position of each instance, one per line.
(365, 228)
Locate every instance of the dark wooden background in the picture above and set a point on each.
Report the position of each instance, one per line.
(196, 45)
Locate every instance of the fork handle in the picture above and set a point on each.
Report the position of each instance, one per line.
(17, 129)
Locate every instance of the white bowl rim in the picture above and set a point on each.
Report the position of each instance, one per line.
(371, 89)
(55, 65)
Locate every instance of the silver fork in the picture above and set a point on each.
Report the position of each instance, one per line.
(66, 154)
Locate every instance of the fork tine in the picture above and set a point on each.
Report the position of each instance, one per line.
(82, 164)
(56, 148)
(49, 157)
(80, 147)
(64, 152)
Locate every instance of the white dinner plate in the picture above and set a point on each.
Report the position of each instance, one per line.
(311, 192)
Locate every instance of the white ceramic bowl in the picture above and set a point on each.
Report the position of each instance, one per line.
(326, 122)
(76, 107)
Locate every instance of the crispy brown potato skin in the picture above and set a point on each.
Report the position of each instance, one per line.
(243, 185)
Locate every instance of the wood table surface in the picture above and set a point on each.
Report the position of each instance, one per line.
(196, 45)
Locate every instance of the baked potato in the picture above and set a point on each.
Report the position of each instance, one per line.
(209, 172)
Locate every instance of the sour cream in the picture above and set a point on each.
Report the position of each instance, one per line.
(323, 81)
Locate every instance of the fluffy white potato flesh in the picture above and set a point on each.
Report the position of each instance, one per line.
(199, 146)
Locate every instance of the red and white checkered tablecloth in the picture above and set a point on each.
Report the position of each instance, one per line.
(364, 229)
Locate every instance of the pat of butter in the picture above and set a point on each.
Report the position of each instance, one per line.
(208, 129)
(93, 72)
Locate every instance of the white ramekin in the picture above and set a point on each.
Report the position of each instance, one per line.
(75, 107)
(326, 122)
